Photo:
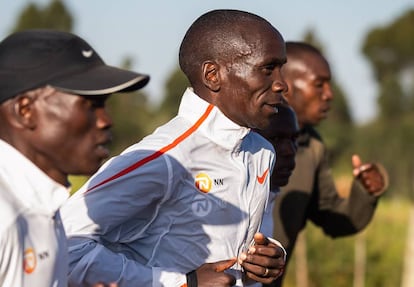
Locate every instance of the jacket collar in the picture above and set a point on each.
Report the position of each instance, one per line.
(30, 185)
(304, 136)
(217, 126)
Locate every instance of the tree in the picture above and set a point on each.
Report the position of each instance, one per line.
(390, 48)
(53, 16)
(391, 100)
(132, 116)
(389, 51)
(174, 89)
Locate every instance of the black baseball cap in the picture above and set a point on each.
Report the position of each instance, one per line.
(34, 58)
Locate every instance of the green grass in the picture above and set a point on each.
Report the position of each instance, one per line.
(77, 182)
(331, 261)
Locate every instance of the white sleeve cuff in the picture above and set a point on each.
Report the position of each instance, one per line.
(162, 277)
(274, 241)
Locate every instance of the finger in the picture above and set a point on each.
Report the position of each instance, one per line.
(261, 274)
(262, 271)
(358, 166)
(274, 259)
(364, 171)
(260, 239)
(264, 280)
(372, 180)
(270, 250)
(220, 266)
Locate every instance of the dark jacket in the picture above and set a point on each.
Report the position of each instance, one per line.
(311, 195)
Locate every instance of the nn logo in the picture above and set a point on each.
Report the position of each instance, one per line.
(29, 260)
(203, 182)
(201, 205)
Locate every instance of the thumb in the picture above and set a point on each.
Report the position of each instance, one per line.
(260, 239)
(356, 161)
(220, 266)
(356, 164)
(360, 167)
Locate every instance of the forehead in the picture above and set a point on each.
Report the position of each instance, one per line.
(316, 67)
(266, 44)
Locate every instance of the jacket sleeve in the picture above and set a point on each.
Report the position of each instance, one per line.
(336, 215)
(91, 262)
(100, 222)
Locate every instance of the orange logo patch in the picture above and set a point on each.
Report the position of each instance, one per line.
(203, 182)
(29, 261)
(262, 178)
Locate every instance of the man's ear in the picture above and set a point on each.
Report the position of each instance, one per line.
(211, 75)
(24, 112)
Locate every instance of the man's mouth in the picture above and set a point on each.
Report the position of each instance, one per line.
(274, 107)
(102, 150)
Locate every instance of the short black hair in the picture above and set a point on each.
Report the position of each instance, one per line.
(216, 34)
(297, 49)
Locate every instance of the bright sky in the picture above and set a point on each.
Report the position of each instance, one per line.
(151, 31)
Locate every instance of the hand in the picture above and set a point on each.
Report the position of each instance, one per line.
(263, 262)
(369, 175)
(212, 274)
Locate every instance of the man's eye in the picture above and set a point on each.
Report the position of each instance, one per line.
(97, 103)
(269, 68)
(319, 84)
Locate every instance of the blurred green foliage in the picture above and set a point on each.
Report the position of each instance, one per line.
(174, 89)
(389, 137)
(55, 15)
(331, 261)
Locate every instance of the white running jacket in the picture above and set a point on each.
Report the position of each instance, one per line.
(33, 250)
(192, 192)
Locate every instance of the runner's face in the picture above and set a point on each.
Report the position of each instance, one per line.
(310, 93)
(252, 84)
(72, 133)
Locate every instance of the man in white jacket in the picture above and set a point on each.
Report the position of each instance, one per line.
(183, 206)
(53, 122)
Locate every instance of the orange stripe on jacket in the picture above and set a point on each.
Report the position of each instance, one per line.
(159, 152)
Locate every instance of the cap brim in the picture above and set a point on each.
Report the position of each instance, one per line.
(101, 80)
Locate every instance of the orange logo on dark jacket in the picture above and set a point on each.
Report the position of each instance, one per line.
(29, 260)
